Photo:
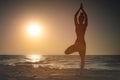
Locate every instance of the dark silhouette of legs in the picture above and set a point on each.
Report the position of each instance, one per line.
(78, 48)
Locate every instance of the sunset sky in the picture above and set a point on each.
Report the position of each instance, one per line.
(56, 21)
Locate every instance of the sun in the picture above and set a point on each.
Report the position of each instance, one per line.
(34, 30)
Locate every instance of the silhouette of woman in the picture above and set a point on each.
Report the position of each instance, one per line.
(81, 24)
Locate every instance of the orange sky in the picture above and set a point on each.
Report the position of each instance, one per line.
(56, 18)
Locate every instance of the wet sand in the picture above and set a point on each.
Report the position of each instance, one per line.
(21, 72)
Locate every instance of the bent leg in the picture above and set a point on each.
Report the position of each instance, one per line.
(70, 49)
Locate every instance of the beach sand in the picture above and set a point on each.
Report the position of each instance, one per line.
(21, 72)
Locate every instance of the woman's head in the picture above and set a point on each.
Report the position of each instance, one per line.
(81, 18)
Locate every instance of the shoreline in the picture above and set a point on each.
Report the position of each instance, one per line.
(21, 72)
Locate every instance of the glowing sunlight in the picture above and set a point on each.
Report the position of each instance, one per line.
(34, 30)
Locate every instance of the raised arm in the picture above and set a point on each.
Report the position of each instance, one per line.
(86, 18)
(75, 17)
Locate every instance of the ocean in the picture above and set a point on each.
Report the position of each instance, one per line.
(108, 62)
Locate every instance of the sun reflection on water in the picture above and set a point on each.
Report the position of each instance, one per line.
(34, 58)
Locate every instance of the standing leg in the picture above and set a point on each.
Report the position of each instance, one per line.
(82, 57)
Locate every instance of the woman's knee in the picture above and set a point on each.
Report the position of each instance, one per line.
(68, 51)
